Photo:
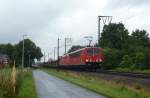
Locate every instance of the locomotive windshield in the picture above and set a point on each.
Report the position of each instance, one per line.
(93, 51)
(75, 54)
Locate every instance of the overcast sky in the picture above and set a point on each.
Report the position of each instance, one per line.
(46, 20)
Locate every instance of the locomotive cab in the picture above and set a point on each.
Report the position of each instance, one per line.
(93, 56)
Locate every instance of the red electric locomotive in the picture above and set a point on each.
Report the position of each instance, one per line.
(87, 58)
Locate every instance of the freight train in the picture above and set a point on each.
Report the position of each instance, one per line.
(84, 58)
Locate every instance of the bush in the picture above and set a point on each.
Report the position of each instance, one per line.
(139, 60)
(146, 52)
(126, 62)
(111, 58)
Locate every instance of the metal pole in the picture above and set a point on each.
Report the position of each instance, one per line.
(54, 53)
(58, 53)
(44, 57)
(29, 60)
(23, 52)
(48, 57)
(99, 19)
(65, 44)
(107, 18)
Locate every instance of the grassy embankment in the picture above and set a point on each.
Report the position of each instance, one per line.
(16, 83)
(107, 88)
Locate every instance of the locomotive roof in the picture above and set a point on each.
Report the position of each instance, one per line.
(79, 50)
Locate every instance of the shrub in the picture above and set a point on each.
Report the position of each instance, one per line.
(146, 52)
(126, 62)
(139, 60)
(111, 58)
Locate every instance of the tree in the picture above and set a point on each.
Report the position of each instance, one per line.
(38, 53)
(7, 49)
(30, 49)
(116, 40)
(140, 38)
(114, 35)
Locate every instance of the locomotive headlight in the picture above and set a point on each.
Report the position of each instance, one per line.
(100, 60)
(86, 60)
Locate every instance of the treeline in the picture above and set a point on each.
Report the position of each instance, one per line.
(124, 49)
(14, 52)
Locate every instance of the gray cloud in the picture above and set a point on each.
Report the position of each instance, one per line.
(46, 20)
(125, 3)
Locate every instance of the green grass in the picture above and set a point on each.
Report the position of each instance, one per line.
(27, 89)
(107, 88)
(16, 83)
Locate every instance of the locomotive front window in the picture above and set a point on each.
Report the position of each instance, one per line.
(76, 54)
(93, 51)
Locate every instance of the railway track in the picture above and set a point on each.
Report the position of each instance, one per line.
(126, 74)
(117, 73)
